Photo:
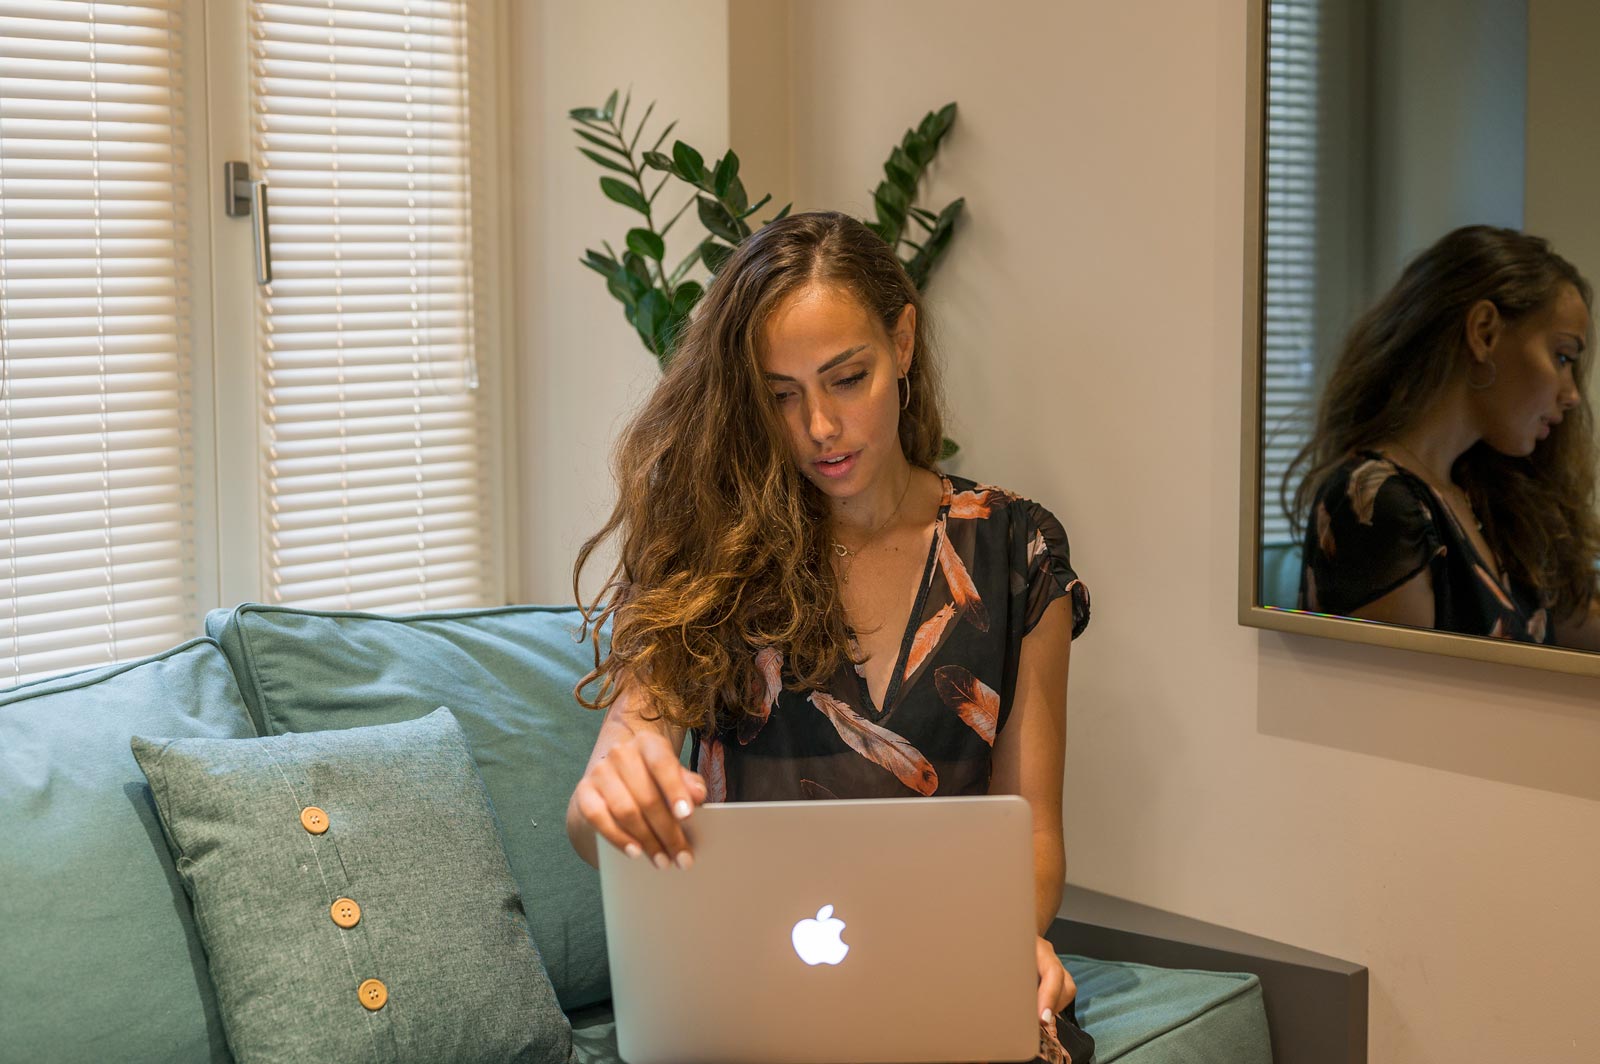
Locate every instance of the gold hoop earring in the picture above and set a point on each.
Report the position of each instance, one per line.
(1493, 373)
(905, 402)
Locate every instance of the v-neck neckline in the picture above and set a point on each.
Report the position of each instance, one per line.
(914, 620)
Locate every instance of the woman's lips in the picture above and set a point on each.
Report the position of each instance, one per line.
(834, 470)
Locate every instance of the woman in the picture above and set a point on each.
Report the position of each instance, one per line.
(800, 590)
(1450, 478)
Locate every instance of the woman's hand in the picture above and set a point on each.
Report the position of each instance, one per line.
(638, 794)
(1056, 988)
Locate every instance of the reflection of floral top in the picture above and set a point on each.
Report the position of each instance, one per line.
(995, 563)
(1374, 525)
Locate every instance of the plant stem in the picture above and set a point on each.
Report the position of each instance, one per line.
(649, 217)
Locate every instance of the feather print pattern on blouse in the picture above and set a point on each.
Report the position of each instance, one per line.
(1365, 482)
(764, 693)
(976, 702)
(962, 590)
(927, 638)
(969, 505)
(879, 745)
(714, 768)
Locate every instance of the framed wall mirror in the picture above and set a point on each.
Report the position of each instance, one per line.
(1420, 405)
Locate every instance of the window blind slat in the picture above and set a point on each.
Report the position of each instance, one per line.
(374, 457)
(96, 525)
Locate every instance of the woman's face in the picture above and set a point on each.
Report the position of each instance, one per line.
(1536, 365)
(834, 375)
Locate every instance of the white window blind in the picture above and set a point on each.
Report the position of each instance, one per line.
(97, 519)
(374, 462)
(1289, 292)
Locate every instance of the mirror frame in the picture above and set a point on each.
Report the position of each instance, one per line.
(1252, 615)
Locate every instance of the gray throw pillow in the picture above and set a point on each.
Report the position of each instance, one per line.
(353, 897)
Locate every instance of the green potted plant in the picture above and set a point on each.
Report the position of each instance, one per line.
(657, 300)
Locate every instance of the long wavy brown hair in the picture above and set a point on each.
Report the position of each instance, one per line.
(723, 544)
(1538, 512)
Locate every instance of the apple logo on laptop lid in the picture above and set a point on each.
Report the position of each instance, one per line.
(818, 941)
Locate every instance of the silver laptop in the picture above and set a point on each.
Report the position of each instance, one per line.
(828, 932)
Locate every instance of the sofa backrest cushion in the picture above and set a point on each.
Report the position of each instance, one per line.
(507, 674)
(99, 957)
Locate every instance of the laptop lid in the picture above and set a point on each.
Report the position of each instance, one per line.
(829, 932)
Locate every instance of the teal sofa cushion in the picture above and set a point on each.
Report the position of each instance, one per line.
(99, 956)
(1137, 1015)
(353, 897)
(507, 674)
(1144, 1015)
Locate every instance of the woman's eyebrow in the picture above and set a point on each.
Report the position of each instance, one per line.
(825, 367)
(1574, 337)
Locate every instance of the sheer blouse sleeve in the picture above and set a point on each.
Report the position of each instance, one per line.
(1048, 573)
(1370, 530)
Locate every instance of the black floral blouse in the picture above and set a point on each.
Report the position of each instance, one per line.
(1375, 524)
(995, 563)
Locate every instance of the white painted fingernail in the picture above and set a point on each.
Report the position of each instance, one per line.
(685, 859)
(681, 809)
(633, 849)
(661, 860)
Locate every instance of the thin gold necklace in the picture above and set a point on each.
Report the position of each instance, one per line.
(847, 555)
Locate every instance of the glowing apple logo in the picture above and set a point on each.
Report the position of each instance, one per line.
(817, 941)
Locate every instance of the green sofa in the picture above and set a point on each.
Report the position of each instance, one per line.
(99, 956)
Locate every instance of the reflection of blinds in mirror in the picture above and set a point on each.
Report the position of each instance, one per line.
(1288, 363)
(375, 471)
(96, 519)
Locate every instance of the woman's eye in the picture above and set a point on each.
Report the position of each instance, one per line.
(1566, 360)
(782, 397)
(852, 381)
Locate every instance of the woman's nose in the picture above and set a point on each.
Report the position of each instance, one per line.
(823, 425)
(1569, 396)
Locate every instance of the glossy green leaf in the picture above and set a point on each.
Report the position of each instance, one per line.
(715, 217)
(653, 307)
(948, 449)
(691, 167)
(687, 295)
(644, 242)
(626, 195)
(737, 199)
(635, 264)
(727, 169)
(780, 215)
(609, 164)
(756, 206)
(657, 161)
(611, 106)
(601, 142)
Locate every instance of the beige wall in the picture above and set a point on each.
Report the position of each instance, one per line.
(582, 367)
(1433, 819)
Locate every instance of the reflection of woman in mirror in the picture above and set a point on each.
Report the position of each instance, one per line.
(1450, 479)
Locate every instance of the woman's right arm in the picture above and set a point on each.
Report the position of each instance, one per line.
(635, 792)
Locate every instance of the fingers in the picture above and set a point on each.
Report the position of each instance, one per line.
(636, 797)
(1050, 989)
(663, 838)
(1069, 990)
(595, 810)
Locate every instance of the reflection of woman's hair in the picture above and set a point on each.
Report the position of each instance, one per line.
(723, 544)
(1538, 512)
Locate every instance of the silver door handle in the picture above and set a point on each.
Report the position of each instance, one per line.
(246, 197)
